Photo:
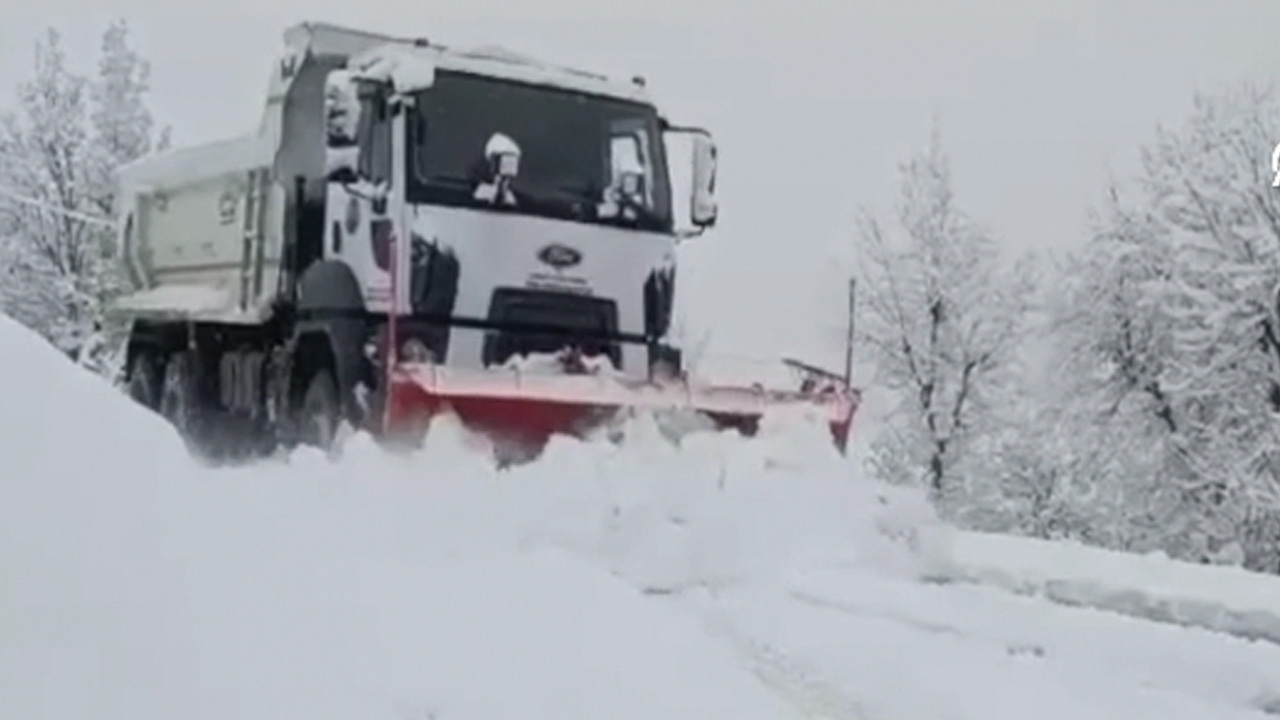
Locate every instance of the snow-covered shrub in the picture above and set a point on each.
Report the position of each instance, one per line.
(60, 151)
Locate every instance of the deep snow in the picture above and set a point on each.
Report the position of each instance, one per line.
(136, 585)
(722, 578)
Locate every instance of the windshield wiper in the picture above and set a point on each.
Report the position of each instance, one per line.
(450, 181)
(645, 216)
(580, 203)
(577, 201)
(641, 215)
(538, 195)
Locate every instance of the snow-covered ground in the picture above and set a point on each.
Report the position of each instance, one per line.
(723, 578)
(1225, 599)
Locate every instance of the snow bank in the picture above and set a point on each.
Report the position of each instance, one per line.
(720, 578)
(1154, 587)
(52, 411)
(138, 585)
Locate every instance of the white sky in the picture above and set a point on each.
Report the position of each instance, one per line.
(814, 102)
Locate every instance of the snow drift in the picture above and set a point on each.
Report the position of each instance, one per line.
(138, 585)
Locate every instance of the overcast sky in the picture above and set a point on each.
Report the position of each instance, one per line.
(814, 102)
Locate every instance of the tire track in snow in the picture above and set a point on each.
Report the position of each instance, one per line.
(854, 609)
(798, 684)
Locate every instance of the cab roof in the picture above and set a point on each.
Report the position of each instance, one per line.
(411, 60)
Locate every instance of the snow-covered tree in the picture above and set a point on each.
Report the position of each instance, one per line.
(943, 318)
(51, 256)
(1173, 333)
(60, 150)
(1068, 459)
(123, 128)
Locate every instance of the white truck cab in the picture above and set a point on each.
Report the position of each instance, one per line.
(501, 205)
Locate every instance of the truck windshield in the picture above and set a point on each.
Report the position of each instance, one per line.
(580, 157)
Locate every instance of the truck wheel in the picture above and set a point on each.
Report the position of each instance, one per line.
(318, 416)
(178, 397)
(144, 381)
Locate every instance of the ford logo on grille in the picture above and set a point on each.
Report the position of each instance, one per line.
(559, 256)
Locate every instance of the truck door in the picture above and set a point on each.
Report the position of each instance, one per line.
(364, 214)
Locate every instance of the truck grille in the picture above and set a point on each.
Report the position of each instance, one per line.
(531, 321)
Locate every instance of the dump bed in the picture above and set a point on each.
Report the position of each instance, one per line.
(203, 234)
(203, 230)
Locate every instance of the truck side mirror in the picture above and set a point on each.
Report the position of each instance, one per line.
(703, 208)
(692, 168)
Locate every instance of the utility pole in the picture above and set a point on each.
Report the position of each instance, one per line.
(848, 343)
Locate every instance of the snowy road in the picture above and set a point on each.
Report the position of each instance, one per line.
(721, 579)
(884, 649)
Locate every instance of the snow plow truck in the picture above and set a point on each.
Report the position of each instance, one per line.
(416, 230)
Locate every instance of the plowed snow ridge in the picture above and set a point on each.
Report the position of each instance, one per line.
(1222, 599)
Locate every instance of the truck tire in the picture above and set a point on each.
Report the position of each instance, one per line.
(320, 410)
(144, 381)
(179, 400)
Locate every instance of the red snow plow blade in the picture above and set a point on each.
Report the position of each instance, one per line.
(528, 408)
